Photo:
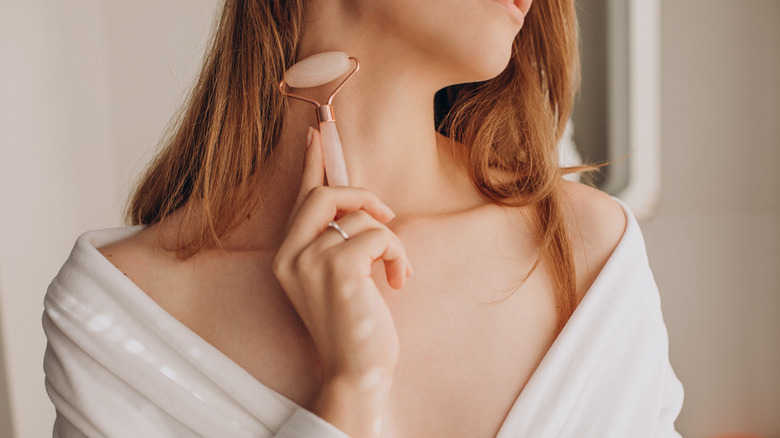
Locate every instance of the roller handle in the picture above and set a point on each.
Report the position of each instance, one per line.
(333, 155)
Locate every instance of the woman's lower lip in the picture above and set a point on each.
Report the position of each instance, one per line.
(513, 10)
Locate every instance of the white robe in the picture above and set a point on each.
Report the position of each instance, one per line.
(118, 365)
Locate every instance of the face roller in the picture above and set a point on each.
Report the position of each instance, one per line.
(318, 70)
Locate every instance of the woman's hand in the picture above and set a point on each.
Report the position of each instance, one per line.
(328, 280)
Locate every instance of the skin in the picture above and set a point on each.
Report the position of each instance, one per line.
(340, 326)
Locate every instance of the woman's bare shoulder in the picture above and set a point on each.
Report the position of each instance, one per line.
(597, 215)
(596, 226)
(141, 258)
(132, 250)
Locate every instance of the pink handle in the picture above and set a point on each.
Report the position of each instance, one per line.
(333, 154)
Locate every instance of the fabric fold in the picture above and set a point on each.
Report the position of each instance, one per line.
(118, 365)
(608, 372)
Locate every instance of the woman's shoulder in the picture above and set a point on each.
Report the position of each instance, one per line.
(155, 270)
(594, 215)
(596, 224)
(85, 256)
(133, 249)
(133, 255)
(86, 273)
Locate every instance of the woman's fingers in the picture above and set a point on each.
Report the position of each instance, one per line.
(376, 244)
(323, 204)
(313, 169)
(317, 205)
(369, 240)
(313, 164)
(313, 178)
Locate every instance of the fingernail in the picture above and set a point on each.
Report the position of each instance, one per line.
(388, 211)
(309, 137)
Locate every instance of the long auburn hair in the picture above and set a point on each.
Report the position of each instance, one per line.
(233, 118)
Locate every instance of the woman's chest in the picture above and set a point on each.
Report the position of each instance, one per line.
(471, 331)
(470, 339)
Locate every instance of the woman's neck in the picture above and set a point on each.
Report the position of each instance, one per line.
(390, 146)
(388, 136)
(384, 115)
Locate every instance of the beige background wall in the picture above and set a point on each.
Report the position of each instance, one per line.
(57, 167)
(86, 86)
(715, 242)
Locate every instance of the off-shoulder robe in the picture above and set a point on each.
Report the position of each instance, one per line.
(118, 365)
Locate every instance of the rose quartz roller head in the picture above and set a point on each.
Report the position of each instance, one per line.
(318, 70)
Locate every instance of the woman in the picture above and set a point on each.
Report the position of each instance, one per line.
(233, 276)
